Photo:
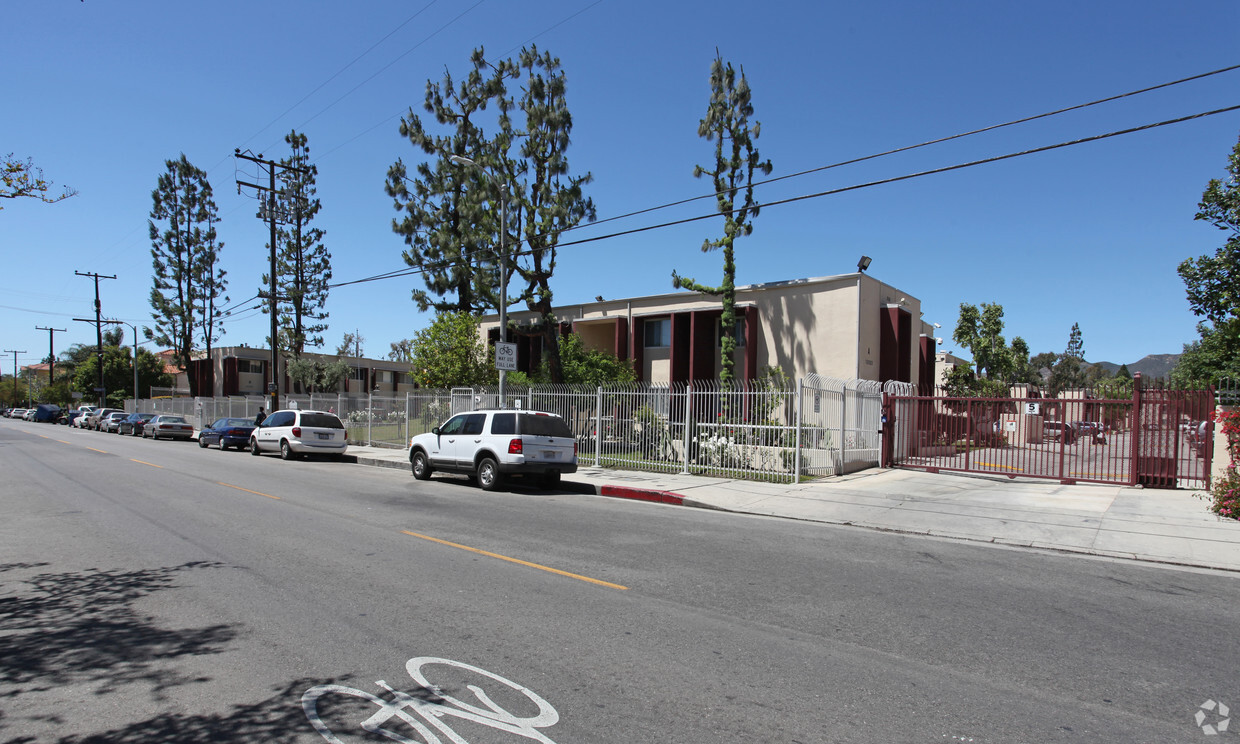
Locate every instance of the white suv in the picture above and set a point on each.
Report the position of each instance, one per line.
(295, 432)
(497, 443)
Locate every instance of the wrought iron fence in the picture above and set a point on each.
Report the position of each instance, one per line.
(769, 429)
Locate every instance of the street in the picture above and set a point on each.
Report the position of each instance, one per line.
(158, 592)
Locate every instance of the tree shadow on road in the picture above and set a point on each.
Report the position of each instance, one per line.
(83, 627)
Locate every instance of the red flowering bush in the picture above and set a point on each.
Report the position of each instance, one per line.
(1225, 491)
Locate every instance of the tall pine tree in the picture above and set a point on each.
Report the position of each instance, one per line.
(727, 126)
(303, 265)
(188, 284)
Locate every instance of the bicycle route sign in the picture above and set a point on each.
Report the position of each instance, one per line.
(506, 356)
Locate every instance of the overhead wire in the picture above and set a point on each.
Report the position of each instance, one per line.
(830, 192)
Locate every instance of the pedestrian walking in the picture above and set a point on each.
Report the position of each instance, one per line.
(259, 418)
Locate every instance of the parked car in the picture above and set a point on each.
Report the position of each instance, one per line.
(28, 414)
(133, 423)
(112, 422)
(495, 444)
(16, 413)
(1055, 431)
(227, 432)
(168, 427)
(80, 421)
(94, 420)
(295, 432)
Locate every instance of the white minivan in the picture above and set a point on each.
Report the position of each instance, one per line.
(294, 432)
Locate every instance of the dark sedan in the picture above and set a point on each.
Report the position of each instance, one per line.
(227, 432)
(133, 423)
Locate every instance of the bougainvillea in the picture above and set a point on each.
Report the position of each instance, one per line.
(1225, 491)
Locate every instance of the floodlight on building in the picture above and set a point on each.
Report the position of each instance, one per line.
(863, 264)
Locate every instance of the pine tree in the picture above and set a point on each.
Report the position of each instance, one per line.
(188, 285)
(736, 158)
(451, 237)
(303, 265)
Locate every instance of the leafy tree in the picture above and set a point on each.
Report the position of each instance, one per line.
(451, 237)
(351, 345)
(1213, 287)
(12, 391)
(118, 374)
(20, 178)
(726, 124)
(450, 352)
(1122, 373)
(185, 253)
(981, 332)
(584, 366)
(303, 265)
(962, 382)
(316, 376)
(402, 351)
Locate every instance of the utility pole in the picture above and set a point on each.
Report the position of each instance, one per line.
(98, 331)
(14, 353)
(272, 211)
(51, 352)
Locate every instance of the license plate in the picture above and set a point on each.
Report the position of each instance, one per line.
(548, 454)
(324, 436)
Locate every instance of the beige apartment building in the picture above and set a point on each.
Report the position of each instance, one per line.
(846, 326)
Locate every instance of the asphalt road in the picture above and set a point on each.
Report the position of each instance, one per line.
(157, 592)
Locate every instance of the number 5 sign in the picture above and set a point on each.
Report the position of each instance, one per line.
(506, 356)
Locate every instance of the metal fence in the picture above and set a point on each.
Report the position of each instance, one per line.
(768, 429)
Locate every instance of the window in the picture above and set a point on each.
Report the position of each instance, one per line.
(249, 366)
(321, 421)
(357, 373)
(658, 333)
(504, 423)
(544, 426)
(454, 425)
(473, 424)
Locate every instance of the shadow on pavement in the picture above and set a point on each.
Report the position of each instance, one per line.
(65, 628)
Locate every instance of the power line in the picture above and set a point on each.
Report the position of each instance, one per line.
(411, 271)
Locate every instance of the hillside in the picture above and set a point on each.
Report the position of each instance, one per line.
(1153, 365)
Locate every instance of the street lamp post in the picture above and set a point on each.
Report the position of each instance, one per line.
(503, 263)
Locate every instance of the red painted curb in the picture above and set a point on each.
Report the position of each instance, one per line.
(642, 494)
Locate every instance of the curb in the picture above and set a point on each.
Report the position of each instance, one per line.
(642, 494)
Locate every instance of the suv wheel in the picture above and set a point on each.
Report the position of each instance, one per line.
(286, 452)
(421, 468)
(489, 476)
(253, 446)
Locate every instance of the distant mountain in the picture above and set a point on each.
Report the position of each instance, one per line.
(1154, 365)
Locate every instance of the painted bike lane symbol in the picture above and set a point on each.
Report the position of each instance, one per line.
(431, 708)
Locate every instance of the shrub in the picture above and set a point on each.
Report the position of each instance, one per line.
(1225, 491)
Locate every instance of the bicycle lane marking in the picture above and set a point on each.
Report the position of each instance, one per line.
(518, 561)
(433, 706)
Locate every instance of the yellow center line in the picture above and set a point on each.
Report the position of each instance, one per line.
(517, 561)
(256, 493)
(140, 462)
(63, 441)
(92, 449)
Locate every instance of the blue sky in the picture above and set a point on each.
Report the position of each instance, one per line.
(100, 94)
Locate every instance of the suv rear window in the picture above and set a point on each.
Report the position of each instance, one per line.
(321, 421)
(543, 426)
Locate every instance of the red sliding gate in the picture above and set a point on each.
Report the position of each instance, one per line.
(1157, 438)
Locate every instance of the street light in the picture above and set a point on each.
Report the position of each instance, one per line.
(503, 262)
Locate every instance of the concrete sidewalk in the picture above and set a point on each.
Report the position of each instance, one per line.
(1173, 527)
